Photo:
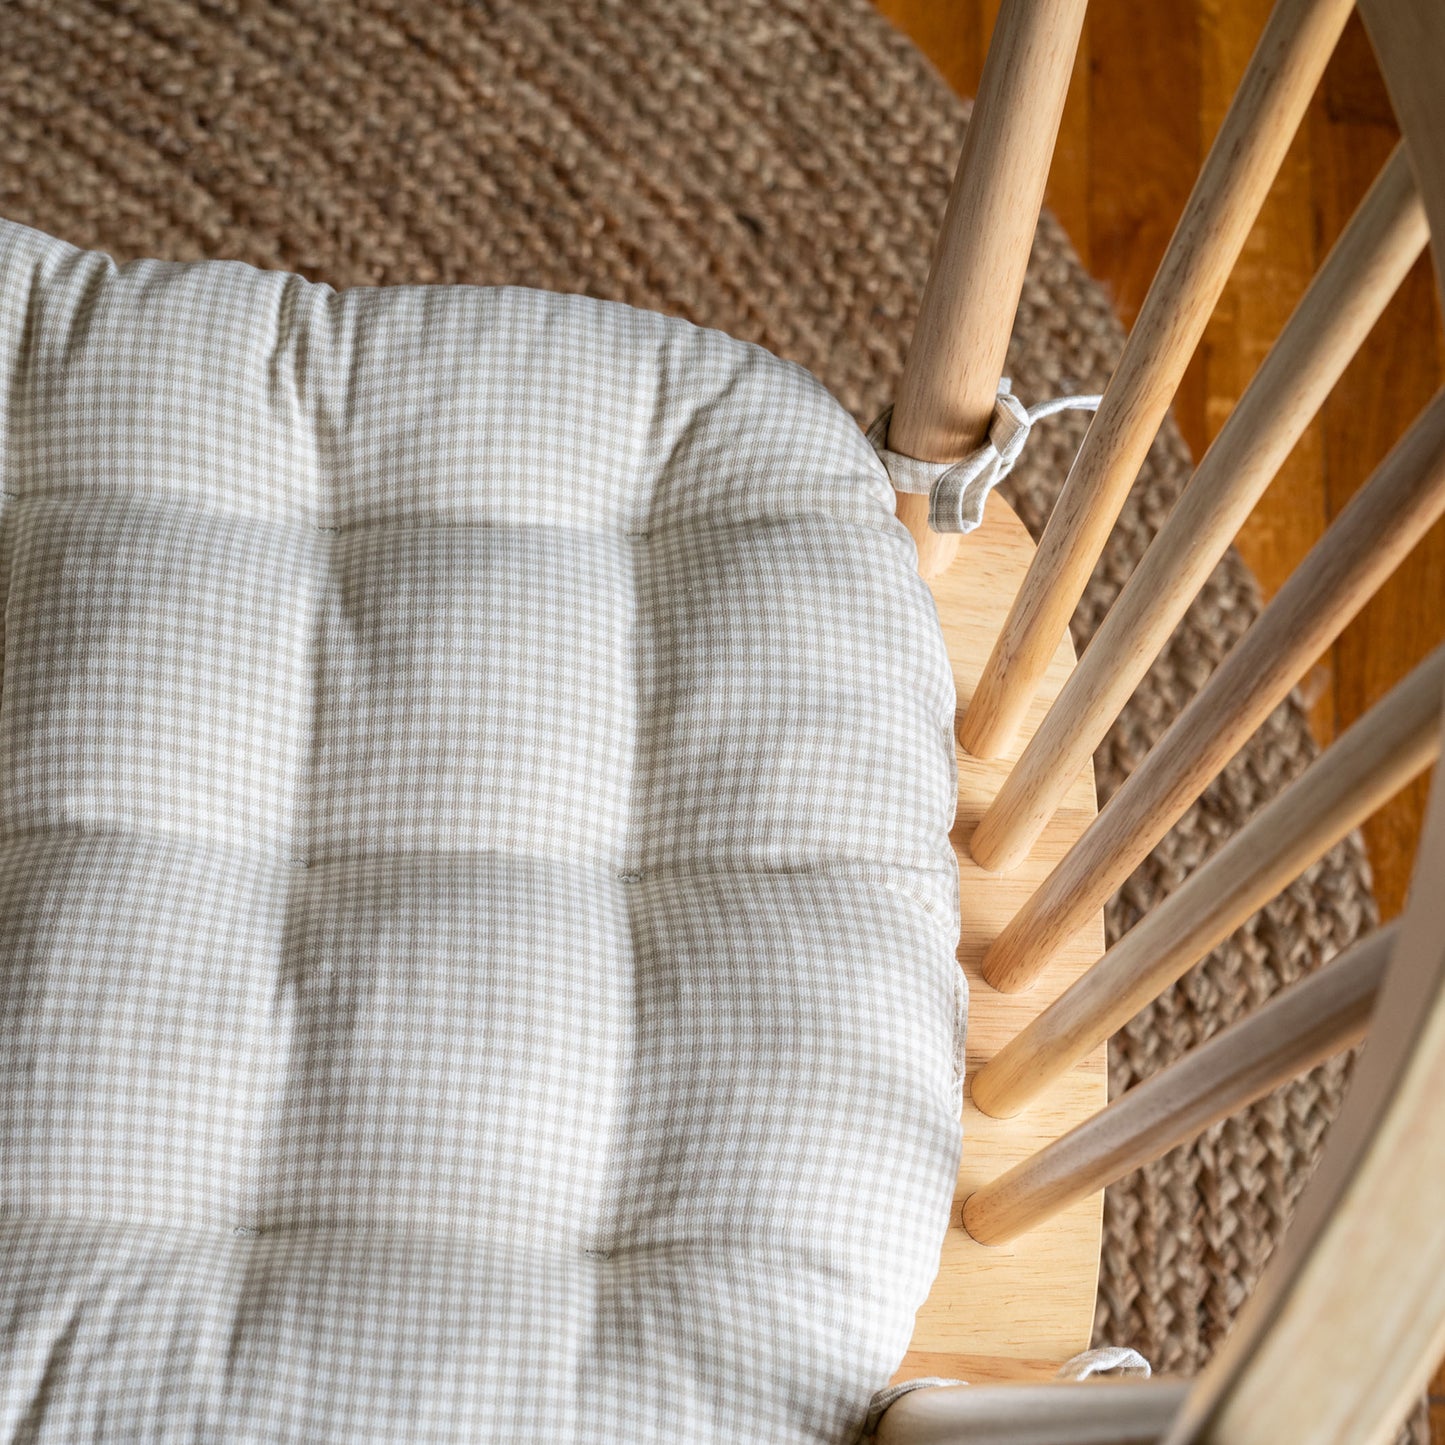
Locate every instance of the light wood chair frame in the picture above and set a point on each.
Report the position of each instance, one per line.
(1351, 1314)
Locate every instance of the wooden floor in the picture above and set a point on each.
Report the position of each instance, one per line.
(1149, 90)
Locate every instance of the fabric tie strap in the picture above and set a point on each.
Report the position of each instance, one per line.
(957, 491)
(1104, 1363)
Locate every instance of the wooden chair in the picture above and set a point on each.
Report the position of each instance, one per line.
(1351, 1315)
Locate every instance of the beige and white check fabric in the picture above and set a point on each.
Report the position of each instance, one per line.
(476, 909)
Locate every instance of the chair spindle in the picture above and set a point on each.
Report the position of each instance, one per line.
(1308, 1023)
(1391, 745)
(1349, 1318)
(1364, 545)
(1362, 272)
(1257, 129)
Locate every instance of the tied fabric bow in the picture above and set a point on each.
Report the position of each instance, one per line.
(956, 491)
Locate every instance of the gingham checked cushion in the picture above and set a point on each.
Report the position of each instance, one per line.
(478, 918)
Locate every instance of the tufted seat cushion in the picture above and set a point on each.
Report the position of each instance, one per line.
(478, 914)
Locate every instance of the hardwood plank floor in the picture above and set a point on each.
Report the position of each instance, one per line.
(1150, 88)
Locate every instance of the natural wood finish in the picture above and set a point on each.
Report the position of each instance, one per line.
(1409, 36)
(1308, 1023)
(1095, 1412)
(1272, 274)
(1165, 73)
(1343, 303)
(1393, 743)
(1267, 108)
(1399, 367)
(1349, 134)
(946, 395)
(1411, 39)
(1341, 1333)
(1001, 1314)
(1369, 538)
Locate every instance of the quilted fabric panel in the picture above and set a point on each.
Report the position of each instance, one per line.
(475, 780)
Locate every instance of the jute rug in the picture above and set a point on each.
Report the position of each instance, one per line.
(775, 168)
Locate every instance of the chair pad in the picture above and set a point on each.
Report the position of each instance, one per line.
(475, 777)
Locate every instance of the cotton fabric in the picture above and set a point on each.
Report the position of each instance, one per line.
(475, 780)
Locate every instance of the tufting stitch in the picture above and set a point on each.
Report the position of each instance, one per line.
(456, 950)
(775, 168)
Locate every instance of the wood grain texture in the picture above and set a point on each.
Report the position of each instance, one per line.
(1017, 1311)
(1339, 1337)
(950, 378)
(1398, 370)
(1281, 399)
(1146, 98)
(1309, 1022)
(1149, 89)
(1361, 549)
(1272, 98)
(1364, 768)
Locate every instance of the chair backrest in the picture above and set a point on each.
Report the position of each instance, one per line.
(1352, 1313)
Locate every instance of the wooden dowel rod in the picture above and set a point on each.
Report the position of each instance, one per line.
(1262, 119)
(1306, 1024)
(1363, 546)
(1392, 744)
(1363, 270)
(945, 398)
(1097, 1412)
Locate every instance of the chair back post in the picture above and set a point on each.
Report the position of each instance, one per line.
(946, 394)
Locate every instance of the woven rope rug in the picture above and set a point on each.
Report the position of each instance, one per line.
(775, 168)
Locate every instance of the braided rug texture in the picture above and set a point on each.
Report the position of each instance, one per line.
(775, 168)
